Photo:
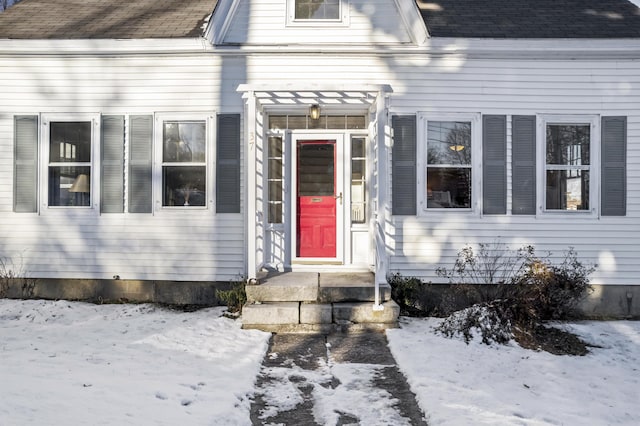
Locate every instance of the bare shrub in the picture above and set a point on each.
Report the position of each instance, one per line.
(508, 290)
(14, 272)
(488, 273)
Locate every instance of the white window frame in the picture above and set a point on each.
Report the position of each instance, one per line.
(343, 21)
(476, 162)
(158, 163)
(594, 162)
(46, 119)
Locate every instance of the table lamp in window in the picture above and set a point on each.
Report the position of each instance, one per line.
(81, 186)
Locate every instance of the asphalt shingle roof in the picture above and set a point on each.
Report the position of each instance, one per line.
(531, 18)
(106, 19)
(133, 19)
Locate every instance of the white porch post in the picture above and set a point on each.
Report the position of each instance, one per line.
(382, 196)
(250, 167)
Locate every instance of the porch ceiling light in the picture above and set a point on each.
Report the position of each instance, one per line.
(314, 112)
(456, 148)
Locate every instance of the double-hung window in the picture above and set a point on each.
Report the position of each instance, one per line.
(184, 163)
(314, 12)
(317, 9)
(569, 161)
(447, 157)
(69, 154)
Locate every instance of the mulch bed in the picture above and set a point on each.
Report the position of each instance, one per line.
(550, 339)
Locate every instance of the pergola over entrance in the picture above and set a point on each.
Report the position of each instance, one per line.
(266, 98)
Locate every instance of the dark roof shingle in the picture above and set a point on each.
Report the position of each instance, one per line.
(134, 19)
(100, 19)
(531, 18)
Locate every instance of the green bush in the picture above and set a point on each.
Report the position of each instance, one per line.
(235, 297)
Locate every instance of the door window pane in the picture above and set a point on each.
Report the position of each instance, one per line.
(316, 169)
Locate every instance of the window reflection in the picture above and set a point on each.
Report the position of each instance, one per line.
(567, 166)
(358, 180)
(184, 163)
(448, 164)
(275, 179)
(317, 9)
(69, 177)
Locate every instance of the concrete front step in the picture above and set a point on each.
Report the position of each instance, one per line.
(286, 287)
(318, 317)
(317, 287)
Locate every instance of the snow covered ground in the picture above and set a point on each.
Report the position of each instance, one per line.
(460, 384)
(68, 363)
(75, 363)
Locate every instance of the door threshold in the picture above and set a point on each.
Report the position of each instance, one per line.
(316, 262)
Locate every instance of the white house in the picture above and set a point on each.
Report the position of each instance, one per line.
(163, 141)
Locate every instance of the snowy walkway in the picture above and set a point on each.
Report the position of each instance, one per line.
(333, 380)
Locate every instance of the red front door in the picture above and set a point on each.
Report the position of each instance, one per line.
(316, 199)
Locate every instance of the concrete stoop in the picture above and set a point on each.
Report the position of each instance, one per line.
(312, 302)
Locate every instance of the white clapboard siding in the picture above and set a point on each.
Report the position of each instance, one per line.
(174, 245)
(212, 246)
(368, 21)
(418, 245)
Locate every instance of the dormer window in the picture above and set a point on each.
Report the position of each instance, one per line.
(317, 12)
(317, 9)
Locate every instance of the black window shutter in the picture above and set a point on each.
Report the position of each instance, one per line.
(494, 164)
(403, 165)
(228, 164)
(614, 166)
(112, 179)
(25, 172)
(140, 163)
(523, 153)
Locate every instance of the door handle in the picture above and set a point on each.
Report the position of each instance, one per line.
(338, 197)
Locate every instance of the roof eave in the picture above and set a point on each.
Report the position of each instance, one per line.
(98, 47)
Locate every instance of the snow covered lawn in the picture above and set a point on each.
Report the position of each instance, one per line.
(69, 363)
(460, 384)
(75, 363)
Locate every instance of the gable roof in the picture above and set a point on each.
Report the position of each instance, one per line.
(148, 19)
(112, 19)
(531, 18)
